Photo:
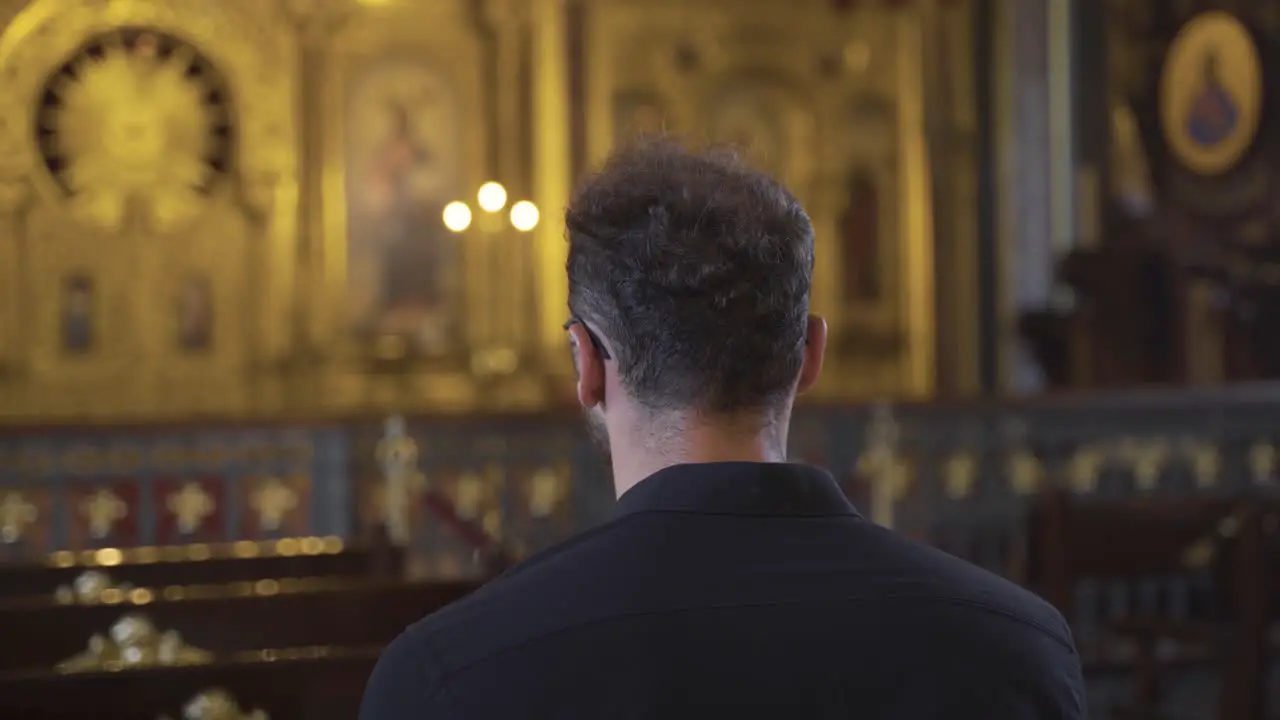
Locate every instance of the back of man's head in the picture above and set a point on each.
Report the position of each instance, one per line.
(694, 272)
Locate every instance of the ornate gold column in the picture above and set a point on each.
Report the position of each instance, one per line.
(948, 92)
(552, 168)
(15, 195)
(917, 221)
(507, 286)
(310, 317)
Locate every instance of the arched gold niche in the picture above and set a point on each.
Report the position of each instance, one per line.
(237, 249)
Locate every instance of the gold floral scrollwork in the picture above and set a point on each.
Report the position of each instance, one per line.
(1025, 473)
(103, 509)
(134, 642)
(1262, 463)
(960, 475)
(191, 506)
(547, 491)
(1206, 464)
(1083, 470)
(16, 515)
(272, 501)
(217, 704)
(1147, 460)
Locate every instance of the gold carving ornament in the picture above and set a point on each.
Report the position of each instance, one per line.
(1084, 468)
(1262, 463)
(136, 127)
(134, 642)
(103, 510)
(16, 514)
(1147, 459)
(191, 506)
(144, 103)
(1211, 93)
(216, 704)
(1206, 464)
(90, 588)
(547, 491)
(272, 501)
(397, 455)
(960, 475)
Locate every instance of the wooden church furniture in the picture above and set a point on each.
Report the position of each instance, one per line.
(1119, 540)
(308, 684)
(225, 619)
(203, 564)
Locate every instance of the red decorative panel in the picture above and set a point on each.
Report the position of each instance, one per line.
(275, 506)
(370, 501)
(26, 522)
(467, 502)
(104, 514)
(190, 510)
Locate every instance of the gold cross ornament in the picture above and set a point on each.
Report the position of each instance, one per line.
(272, 501)
(545, 493)
(961, 474)
(191, 506)
(16, 513)
(1026, 475)
(103, 510)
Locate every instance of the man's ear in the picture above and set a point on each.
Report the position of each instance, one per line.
(815, 347)
(590, 367)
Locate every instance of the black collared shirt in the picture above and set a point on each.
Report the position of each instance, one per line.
(735, 590)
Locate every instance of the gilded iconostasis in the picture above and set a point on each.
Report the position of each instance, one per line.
(284, 208)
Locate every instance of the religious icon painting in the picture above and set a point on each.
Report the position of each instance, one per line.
(189, 510)
(861, 279)
(194, 313)
(403, 146)
(77, 315)
(1211, 93)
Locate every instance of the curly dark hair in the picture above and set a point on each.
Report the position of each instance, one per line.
(695, 270)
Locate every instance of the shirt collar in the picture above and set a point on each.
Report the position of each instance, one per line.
(738, 488)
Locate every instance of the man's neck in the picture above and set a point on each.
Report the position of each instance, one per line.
(649, 451)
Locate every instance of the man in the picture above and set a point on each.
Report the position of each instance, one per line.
(731, 584)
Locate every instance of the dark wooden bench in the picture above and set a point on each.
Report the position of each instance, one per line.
(300, 684)
(201, 564)
(224, 619)
(1118, 540)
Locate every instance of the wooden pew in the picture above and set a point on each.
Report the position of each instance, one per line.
(300, 684)
(1126, 539)
(224, 619)
(201, 564)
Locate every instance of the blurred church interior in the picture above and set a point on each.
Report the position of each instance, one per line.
(282, 287)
